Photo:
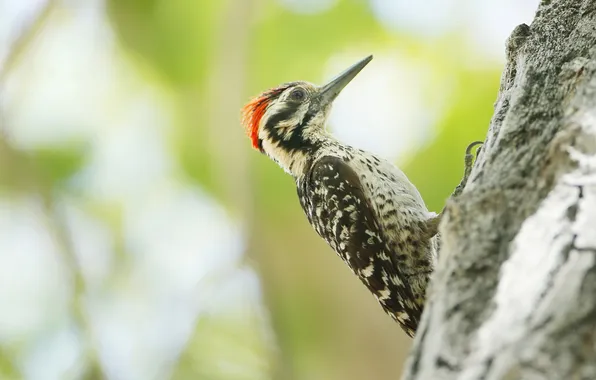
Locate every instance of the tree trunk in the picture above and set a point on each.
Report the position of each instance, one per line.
(514, 294)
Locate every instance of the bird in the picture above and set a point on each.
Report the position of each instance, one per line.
(362, 205)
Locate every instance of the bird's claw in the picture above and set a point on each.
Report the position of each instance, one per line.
(468, 164)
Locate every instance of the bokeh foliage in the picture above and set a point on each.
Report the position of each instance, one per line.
(325, 325)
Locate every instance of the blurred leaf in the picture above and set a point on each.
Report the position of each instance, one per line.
(37, 170)
(8, 370)
(192, 148)
(225, 347)
(57, 165)
(17, 171)
(171, 34)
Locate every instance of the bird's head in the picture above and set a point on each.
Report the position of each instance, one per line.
(288, 122)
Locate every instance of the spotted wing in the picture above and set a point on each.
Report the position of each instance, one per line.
(335, 204)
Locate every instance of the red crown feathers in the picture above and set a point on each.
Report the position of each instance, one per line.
(254, 110)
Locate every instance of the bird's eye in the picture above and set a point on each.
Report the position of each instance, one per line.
(298, 94)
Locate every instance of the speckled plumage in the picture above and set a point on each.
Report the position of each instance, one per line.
(376, 221)
(364, 207)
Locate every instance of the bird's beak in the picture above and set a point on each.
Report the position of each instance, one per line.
(330, 91)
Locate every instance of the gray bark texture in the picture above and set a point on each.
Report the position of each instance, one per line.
(514, 293)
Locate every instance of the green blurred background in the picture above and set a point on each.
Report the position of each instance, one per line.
(140, 235)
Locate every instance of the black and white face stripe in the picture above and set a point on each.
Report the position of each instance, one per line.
(287, 121)
(292, 128)
(291, 137)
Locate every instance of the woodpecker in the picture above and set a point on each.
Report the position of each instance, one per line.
(363, 206)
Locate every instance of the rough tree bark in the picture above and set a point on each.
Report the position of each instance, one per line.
(514, 294)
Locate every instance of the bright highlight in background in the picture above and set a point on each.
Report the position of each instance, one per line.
(385, 108)
(132, 262)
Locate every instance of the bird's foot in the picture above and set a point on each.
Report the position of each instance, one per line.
(432, 223)
(468, 164)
